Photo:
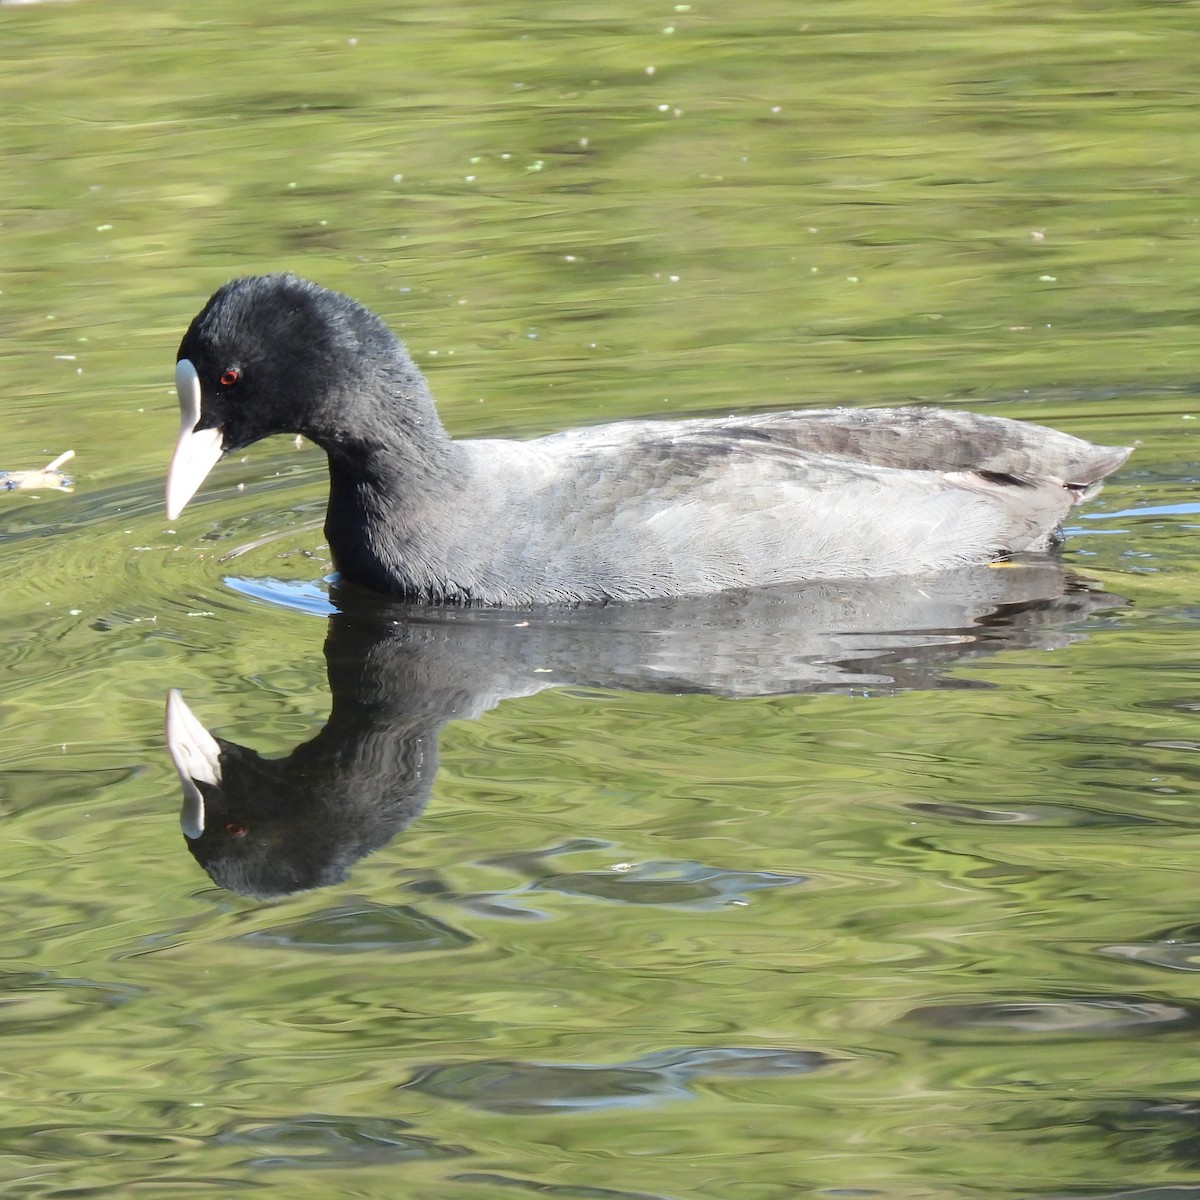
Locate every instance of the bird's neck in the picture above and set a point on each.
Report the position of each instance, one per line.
(395, 497)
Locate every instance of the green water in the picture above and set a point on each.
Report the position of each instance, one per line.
(938, 941)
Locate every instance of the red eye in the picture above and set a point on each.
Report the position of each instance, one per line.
(231, 376)
(235, 830)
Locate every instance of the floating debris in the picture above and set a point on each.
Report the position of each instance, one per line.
(49, 477)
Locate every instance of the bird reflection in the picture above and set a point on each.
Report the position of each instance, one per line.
(269, 827)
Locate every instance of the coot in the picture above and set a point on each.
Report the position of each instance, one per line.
(623, 511)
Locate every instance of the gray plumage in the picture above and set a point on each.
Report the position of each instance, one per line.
(626, 511)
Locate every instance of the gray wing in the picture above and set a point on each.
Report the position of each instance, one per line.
(925, 439)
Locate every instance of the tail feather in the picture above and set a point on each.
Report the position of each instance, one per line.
(1090, 479)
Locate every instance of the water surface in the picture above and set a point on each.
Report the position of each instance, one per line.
(907, 919)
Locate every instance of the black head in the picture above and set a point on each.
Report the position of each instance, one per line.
(276, 354)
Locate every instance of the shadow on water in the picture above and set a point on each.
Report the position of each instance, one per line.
(269, 827)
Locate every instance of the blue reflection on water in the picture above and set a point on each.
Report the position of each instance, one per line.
(304, 596)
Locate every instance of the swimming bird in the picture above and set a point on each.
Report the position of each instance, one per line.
(623, 511)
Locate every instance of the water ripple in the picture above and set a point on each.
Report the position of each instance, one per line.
(539, 1087)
